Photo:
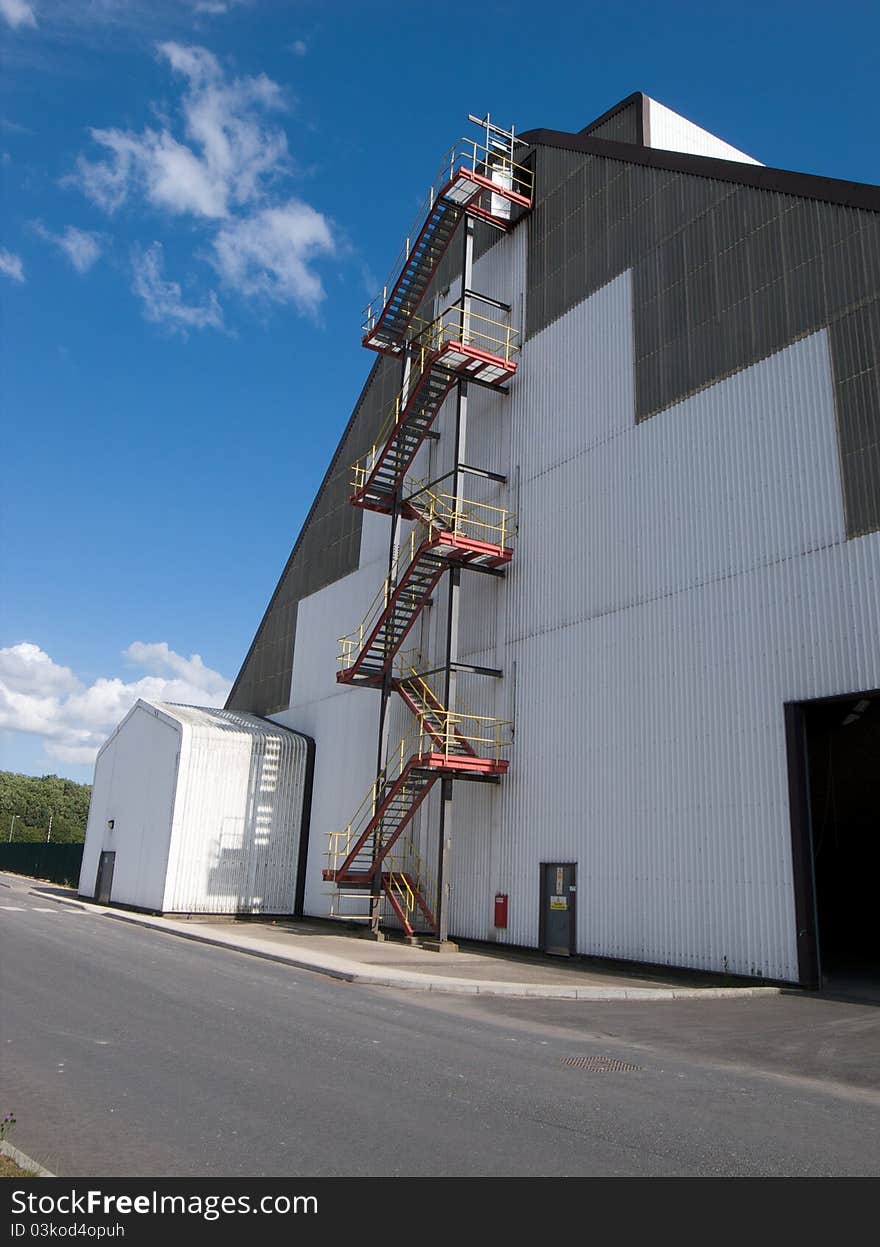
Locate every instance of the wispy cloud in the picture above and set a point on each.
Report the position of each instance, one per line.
(221, 159)
(163, 300)
(228, 154)
(18, 13)
(299, 47)
(267, 255)
(11, 265)
(46, 699)
(82, 247)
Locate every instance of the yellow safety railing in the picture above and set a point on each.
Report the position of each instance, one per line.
(448, 727)
(409, 874)
(342, 842)
(459, 517)
(406, 874)
(352, 643)
(468, 155)
(489, 737)
(462, 517)
(456, 324)
(470, 328)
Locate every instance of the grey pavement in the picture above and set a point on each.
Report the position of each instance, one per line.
(343, 953)
(126, 1052)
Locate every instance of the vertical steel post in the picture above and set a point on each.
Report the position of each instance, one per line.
(444, 856)
(385, 692)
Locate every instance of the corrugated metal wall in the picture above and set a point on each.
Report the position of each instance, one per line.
(237, 818)
(675, 583)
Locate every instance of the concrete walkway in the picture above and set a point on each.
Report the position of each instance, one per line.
(343, 953)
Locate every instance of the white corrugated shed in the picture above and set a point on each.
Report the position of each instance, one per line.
(202, 809)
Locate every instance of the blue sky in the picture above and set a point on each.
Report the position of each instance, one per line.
(198, 198)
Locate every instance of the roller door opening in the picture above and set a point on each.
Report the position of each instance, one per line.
(834, 749)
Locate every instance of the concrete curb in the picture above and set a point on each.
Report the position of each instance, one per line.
(24, 1162)
(353, 972)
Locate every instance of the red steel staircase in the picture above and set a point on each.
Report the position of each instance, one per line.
(450, 533)
(445, 744)
(475, 179)
(375, 855)
(459, 343)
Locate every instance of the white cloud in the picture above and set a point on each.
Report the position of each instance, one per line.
(11, 265)
(163, 300)
(18, 13)
(299, 47)
(159, 659)
(40, 697)
(25, 668)
(82, 247)
(267, 255)
(219, 159)
(229, 154)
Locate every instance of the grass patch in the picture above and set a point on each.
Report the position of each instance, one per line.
(9, 1169)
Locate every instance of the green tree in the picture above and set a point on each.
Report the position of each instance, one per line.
(33, 800)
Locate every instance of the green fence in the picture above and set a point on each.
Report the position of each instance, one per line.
(58, 862)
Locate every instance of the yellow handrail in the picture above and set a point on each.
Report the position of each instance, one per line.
(462, 518)
(470, 328)
(352, 643)
(455, 324)
(466, 155)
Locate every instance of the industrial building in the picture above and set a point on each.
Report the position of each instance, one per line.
(583, 620)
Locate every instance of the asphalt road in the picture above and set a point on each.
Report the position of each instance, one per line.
(131, 1053)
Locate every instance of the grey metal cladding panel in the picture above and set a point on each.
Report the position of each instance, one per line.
(328, 548)
(855, 347)
(723, 275)
(624, 126)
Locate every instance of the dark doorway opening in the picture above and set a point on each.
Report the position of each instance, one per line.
(104, 880)
(839, 743)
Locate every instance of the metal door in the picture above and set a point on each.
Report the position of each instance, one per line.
(104, 881)
(558, 894)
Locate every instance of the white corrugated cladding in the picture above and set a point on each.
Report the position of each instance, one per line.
(238, 813)
(675, 583)
(675, 133)
(206, 806)
(342, 720)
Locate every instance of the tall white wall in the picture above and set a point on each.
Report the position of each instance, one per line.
(342, 720)
(675, 583)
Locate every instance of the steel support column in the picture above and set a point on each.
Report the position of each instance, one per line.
(444, 855)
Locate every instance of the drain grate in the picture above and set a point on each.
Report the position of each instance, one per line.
(599, 1064)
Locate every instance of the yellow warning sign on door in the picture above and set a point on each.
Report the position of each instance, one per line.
(558, 902)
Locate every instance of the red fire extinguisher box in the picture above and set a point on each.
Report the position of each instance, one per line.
(501, 909)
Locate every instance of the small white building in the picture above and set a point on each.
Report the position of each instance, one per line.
(197, 810)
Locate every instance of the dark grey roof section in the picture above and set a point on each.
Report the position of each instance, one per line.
(328, 547)
(808, 185)
(626, 122)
